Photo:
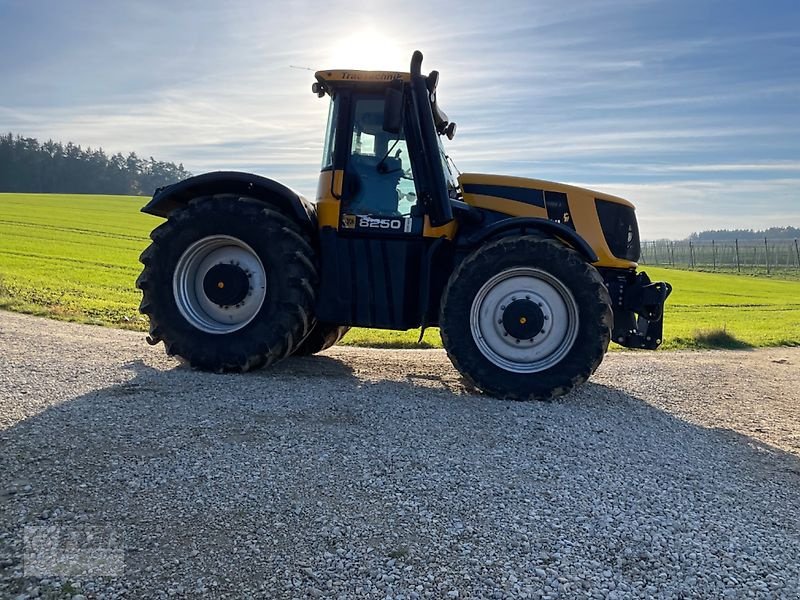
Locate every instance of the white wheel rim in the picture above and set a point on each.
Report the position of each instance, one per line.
(211, 314)
(558, 313)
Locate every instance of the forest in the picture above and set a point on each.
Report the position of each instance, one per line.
(30, 166)
(729, 235)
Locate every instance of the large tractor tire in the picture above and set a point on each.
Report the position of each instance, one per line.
(228, 284)
(526, 318)
(322, 337)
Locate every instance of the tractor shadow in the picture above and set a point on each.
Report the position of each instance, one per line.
(180, 461)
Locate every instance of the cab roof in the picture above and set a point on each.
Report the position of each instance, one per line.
(354, 76)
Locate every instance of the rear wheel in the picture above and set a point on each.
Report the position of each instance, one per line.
(228, 284)
(526, 318)
(322, 337)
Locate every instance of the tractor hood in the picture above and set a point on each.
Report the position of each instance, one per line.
(522, 189)
(607, 223)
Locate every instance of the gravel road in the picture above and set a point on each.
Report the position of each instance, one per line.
(375, 474)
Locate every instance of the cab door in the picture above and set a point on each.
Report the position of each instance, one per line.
(371, 261)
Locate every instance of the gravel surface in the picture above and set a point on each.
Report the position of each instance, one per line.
(375, 474)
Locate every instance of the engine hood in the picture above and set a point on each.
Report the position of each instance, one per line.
(505, 186)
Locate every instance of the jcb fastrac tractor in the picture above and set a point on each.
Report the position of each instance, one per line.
(527, 280)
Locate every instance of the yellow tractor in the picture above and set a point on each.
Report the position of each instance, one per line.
(527, 280)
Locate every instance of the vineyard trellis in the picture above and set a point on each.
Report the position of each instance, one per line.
(740, 256)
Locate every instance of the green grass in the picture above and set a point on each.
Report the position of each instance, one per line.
(752, 311)
(75, 257)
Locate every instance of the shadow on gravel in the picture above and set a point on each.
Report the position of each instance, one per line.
(229, 483)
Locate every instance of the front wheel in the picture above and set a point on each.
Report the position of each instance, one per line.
(526, 318)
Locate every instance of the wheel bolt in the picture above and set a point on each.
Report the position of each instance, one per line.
(502, 307)
(542, 331)
(518, 341)
(540, 304)
(546, 318)
(499, 321)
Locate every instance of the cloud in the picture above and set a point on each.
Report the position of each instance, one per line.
(694, 118)
(677, 208)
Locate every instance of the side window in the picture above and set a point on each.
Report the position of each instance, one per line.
(363, 143)
(330, 135)
(378, 178)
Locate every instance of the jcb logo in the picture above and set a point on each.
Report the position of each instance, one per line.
(373, 223)
(349, 222)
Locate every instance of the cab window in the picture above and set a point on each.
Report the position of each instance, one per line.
(330, 135)
(378, 177)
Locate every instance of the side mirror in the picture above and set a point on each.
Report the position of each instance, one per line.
(393, 110)
(450, 131)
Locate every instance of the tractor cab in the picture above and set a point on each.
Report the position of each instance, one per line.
(384, 196)
(383, 156)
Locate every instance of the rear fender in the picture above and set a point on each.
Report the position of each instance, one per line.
(170, 198)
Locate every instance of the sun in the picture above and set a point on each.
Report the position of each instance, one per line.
(368, 50)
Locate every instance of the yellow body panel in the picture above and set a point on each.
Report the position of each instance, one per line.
(328, 205)
(581, 204)
(448, 230)
(539, 184)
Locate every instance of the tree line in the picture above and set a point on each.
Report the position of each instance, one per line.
(28, 166)
(723, 235)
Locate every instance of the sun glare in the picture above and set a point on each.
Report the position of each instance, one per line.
(368, 50)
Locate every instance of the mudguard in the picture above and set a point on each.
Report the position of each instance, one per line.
(172, 197)
(522, 225)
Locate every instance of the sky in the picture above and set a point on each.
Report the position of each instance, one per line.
(690, 109)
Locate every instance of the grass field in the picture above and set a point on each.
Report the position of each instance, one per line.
(76, 258)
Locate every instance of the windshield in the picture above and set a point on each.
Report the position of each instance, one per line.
(449, 175)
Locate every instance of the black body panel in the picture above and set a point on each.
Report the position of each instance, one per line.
(620, 229)
(558, 209)
(423, 144)
(518, 194)
(371, 281)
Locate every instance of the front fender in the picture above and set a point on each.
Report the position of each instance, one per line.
(523, 225)
(170, 198)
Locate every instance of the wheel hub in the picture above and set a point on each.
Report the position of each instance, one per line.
(226, 284)
(523, 319)
(219, 284)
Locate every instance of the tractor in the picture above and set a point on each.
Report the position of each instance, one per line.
(527, 280)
